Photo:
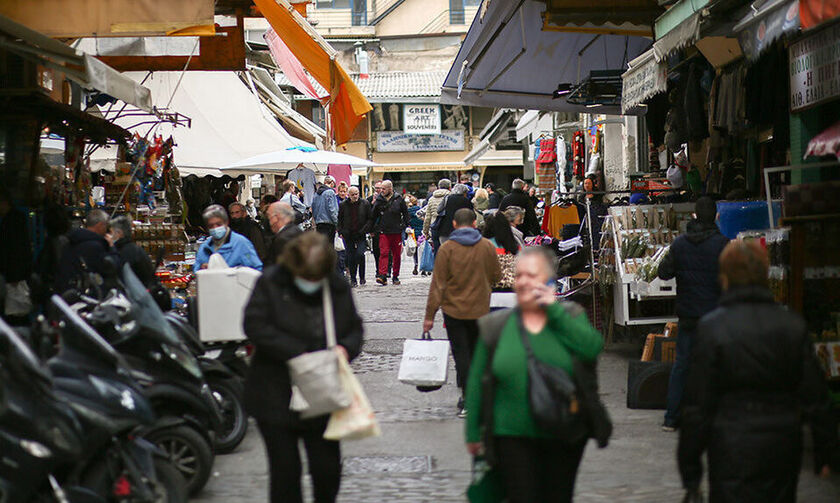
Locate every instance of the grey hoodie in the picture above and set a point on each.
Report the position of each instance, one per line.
(467, 236)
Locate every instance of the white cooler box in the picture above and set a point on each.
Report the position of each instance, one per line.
(222, 295)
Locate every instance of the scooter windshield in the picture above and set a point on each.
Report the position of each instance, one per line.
(146, 311)
(27, 357)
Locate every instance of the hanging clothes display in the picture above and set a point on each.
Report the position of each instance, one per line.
(546, 165)
(561, 163)
(578, 155)
(557, 216)
(304, 178)
(340, 172)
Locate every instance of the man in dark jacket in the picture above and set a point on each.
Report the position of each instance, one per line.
(281, 218)
(85, 252)
(354, 222)
(494, 197)
(392, 214)
(456, 200)
(518, 197)
(241, 223)
(693, 260)
(754, 379)
(130, 253)
(15, 249)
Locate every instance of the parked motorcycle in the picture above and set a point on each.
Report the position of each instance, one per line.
(189, 415)
(226, 380)
(73, 434)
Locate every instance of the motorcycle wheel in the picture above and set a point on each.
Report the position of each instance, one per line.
(189, 452)
(235, 423)
(170, 482)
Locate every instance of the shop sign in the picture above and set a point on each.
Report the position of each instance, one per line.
(640, 83)
(815, 69)
(398, 141)
(422, 118)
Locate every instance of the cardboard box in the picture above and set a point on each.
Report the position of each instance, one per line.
(222, 295)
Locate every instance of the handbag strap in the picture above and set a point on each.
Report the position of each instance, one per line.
(523, 334)
(526, 341)
(329, 315)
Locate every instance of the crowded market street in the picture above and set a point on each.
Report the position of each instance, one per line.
(420, 457)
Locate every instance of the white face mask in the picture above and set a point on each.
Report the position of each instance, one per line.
(308, 287)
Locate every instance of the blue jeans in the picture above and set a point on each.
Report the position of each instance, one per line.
(354, 254)
(686, 342)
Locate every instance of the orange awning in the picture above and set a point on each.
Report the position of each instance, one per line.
(347, 105)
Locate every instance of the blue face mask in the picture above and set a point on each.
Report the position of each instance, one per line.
(306, 286)
(219, 232)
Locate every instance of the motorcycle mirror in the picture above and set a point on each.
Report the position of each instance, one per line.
(84, 329)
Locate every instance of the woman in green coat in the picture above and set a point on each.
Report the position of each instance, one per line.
(535, 465)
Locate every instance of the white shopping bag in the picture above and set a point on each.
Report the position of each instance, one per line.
(425, 362)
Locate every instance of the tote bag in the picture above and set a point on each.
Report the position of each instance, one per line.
(356, 421)
(425, 361)
(317, 388)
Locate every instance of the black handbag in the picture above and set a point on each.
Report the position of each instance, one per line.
(553, 397)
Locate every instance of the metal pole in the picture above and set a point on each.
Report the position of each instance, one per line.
(591, 256)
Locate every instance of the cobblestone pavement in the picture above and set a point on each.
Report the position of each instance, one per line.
(420, 457)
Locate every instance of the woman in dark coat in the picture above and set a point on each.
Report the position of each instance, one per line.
(753, 379)
(284, 319)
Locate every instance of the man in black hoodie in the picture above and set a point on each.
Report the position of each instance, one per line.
(391, 212)
(457, 199)
(693, 260)
(86, 251)
(518, 197)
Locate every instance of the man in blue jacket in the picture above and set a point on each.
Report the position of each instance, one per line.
(693, 260)
(325, 208)
(235, 248)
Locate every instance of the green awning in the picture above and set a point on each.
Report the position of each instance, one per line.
(676, 15)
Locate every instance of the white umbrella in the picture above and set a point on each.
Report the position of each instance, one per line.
(284, 160)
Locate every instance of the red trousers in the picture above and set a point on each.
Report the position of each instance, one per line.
(390, 243)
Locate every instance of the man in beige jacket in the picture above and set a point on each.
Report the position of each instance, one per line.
(466, 267)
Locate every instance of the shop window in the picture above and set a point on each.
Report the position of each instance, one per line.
(456, 10)
(359, 12)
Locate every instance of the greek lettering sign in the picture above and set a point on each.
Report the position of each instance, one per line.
(815, 69)
(642, 81)
(423, 118)
(398, 141)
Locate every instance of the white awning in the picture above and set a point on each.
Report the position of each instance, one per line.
(229, 123)
(646, 77)
(493, 157)
(527, 123)
(684, 35)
